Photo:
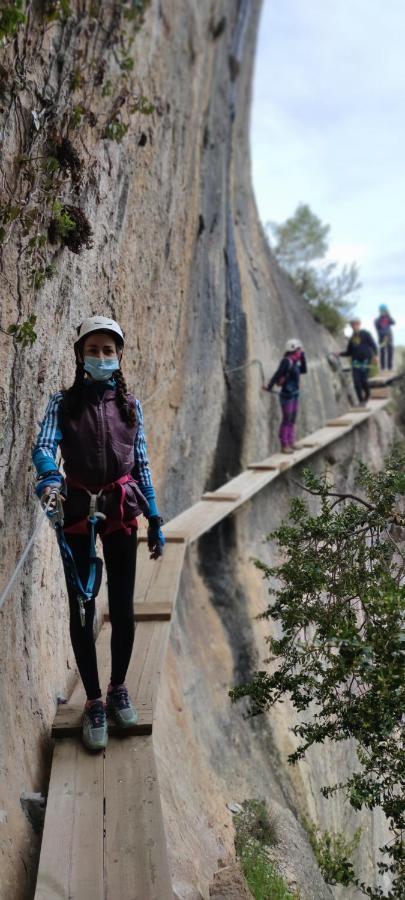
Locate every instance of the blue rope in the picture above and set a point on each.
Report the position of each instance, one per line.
(84, 594)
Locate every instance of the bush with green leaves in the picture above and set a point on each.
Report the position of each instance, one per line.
(255, 833)
(334, 853)
(339, 599)
(300, 243)
(24, 333)
(12, 15)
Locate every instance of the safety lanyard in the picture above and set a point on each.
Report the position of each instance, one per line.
(84, 593)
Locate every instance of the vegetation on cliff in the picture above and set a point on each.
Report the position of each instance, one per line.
(67, 82)
(339, 597)
(301, 244)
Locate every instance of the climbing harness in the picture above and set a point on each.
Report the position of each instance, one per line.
(56, 518)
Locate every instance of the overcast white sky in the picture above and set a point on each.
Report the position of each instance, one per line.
(328, 129)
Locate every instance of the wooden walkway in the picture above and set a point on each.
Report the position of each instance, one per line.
(104, 835)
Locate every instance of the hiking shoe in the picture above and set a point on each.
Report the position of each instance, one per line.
(287, 450)
(94, 733)
(119, 707)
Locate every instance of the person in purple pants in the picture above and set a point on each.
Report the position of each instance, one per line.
(287, 377)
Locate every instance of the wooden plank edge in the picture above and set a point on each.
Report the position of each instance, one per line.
(220, 496)
(144, 612)
(338, 423)
(263, 467)
(172, 538)
(62, 730)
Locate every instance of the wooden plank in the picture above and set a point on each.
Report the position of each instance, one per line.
(136, 863)
(338, 423)
(380, 392)
(220, 495)
(176, 538)
(164, 584)
(200, 518)
(146, 664)
(71, 861)
(358, 410)
(68, 719)
(152, 610)
(144, 570)
(69, 723)
(263, 467)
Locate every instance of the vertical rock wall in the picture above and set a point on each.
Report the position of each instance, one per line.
(179, 258)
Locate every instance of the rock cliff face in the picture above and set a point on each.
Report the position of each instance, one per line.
(179, 258)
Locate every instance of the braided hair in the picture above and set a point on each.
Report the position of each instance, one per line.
(74, 397)
(127, 410)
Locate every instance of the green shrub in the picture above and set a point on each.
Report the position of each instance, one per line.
(334, 854)
(255, 832)
(262, 877)
(11, 17)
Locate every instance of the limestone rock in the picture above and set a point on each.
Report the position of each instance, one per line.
(230, 884)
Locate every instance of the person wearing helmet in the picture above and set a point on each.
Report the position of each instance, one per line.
(99, 428)
(287, 377)
(383, 327)
(362, 350)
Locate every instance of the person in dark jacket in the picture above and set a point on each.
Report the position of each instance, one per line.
(383, 327)
(362, 350)
(287, 377)
(98, 426)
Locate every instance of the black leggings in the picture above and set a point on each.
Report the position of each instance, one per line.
(360, 381)
(386, 355)
(120, 560)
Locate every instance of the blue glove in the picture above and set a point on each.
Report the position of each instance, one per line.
(49, 479)
(149, 493)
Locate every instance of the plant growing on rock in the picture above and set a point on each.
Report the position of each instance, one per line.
(339, 598)
(71, 227)
(24, 333)
(334, 854)
(255, 833)
(11, 17)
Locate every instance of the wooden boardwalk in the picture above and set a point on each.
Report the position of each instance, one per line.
(104, 835)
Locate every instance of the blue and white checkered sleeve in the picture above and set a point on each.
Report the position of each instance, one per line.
(142, 471)
(49, 438)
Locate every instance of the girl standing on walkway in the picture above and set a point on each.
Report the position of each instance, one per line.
(287, 377)
(99, 427)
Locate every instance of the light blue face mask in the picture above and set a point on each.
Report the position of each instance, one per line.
(101, 369)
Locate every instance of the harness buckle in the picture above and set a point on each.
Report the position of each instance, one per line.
(94, 513)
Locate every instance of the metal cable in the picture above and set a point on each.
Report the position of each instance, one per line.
(9, 585)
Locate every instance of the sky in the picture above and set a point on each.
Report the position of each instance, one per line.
(328, 129)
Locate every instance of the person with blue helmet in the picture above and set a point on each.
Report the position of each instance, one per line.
(383, 326)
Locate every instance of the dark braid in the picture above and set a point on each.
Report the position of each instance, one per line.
(127, 410)
(73, 398)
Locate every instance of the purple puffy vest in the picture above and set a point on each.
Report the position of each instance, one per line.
(97, 449)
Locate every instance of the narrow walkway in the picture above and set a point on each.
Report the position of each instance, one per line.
(104, 834)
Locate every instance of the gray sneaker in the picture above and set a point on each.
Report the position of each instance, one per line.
(94, 733)
(120, 708)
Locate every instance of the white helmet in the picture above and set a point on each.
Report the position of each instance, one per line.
(292, 345)
(99, 323)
